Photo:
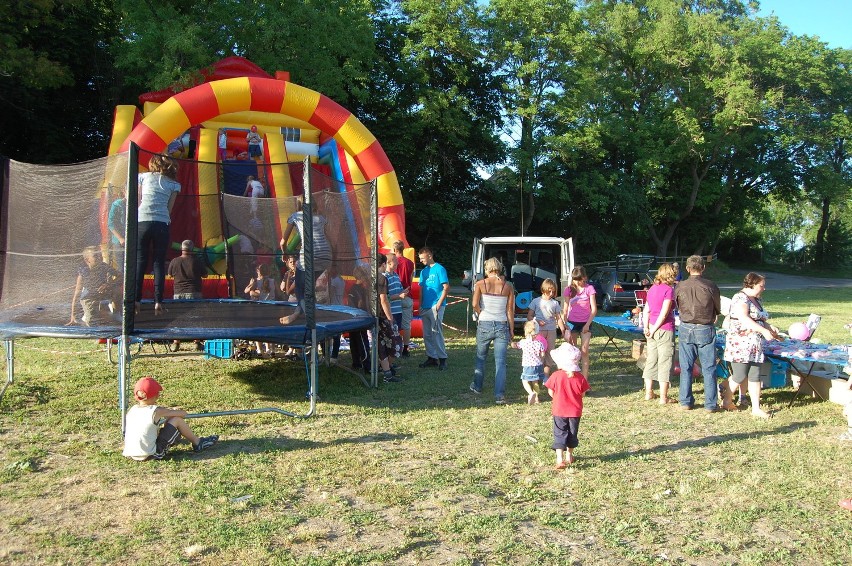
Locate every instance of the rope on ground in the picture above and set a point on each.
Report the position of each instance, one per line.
(455, 300)
(99, 351)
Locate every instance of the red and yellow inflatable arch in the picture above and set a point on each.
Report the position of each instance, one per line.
(310, 109)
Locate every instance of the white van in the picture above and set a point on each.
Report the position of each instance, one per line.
(528, 260)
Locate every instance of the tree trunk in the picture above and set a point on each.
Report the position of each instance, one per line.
(526, 170)
(819, 245)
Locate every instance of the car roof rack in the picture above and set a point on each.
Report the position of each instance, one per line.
(626, 262)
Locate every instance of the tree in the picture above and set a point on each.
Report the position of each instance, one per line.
(326, 45)
(57, 84)
(668, 94)
(530, 45)
(443, 100)
(817, 124)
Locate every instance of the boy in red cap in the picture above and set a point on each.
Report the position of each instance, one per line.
(151, 430)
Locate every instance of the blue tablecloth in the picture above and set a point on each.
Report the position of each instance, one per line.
(789, 350)
(618, 323)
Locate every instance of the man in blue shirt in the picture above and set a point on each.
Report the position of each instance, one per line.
(434, 286)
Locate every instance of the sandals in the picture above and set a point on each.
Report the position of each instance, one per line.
(846, 504)
(667, 401)
(561, 465)
(730, 407)
(650, 396)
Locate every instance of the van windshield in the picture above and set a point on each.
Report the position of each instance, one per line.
(528, 266)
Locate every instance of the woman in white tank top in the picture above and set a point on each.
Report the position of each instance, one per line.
(494, 305)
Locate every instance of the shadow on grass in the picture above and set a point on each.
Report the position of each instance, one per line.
(699, 442)
(287, 380)
(281, 444)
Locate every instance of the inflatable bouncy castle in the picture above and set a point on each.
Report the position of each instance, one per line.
(211, 122)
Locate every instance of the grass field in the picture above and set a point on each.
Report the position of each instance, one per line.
(422, 471)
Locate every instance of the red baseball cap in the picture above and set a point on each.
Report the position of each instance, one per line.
(147, 388)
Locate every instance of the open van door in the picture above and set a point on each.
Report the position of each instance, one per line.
(476, 266)
(567, 262)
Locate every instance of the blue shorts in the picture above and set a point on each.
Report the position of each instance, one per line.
(254, 150)
(576, 326)
(532, 373)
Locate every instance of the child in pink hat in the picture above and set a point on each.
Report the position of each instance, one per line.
(567, 386)
(151, 430)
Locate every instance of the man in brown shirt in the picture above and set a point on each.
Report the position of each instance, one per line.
(699, 304)
(187, 271)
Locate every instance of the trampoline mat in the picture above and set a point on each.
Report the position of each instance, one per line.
(192, 320)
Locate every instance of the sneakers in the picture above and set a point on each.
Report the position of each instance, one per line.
(405, 352)
(474, 389)
(500, 400)
(442, 364)
(205, 442)
(846, 435)
(390, 377)
(430, 362)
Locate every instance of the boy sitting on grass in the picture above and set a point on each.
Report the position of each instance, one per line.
(151, 430)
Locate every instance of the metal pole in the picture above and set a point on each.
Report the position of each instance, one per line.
(310, 279)
(128, 311)
(312, 394)
(374, 291)
(10, 365)
(123, 362)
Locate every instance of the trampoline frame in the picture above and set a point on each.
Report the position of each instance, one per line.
(128, 330)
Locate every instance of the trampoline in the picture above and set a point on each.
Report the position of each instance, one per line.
(196, 320)
(39, 239)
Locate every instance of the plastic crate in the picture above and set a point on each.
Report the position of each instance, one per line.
(219, 349)
(773, 373)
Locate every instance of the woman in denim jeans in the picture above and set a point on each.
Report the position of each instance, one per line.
(494, 305)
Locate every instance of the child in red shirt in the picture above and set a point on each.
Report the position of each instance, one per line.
(567, 387)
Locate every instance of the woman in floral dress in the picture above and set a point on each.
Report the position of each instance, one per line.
(744, 342)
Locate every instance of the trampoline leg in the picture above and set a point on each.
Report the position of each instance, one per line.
(123, 362)
(10, 366)
(314, 371)
(312, 393)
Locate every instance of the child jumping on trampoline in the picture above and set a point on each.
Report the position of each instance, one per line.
(96, 282)
(261, 287)
(152, 430)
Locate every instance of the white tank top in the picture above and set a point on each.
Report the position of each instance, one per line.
(493, 306)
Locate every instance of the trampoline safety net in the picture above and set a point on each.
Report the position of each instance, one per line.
(69, 233)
